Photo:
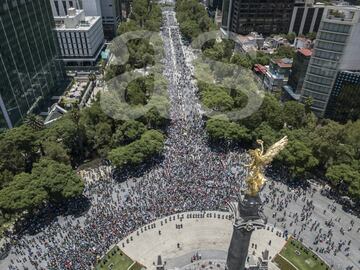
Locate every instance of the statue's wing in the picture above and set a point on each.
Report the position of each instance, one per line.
(274, 150)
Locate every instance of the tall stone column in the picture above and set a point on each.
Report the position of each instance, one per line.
(248, 217)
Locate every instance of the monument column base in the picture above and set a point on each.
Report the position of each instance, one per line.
(238, 249)
(246, 221)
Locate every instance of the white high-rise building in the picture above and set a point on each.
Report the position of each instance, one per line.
(80, 37)
(111, 11)
(61, 7)
(336, 49)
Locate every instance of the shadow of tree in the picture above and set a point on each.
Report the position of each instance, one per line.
(36, 221)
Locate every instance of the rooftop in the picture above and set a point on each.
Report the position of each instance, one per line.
(283, 63)
(343, 13)
(75, 20)
(305, 52)
(260, 68)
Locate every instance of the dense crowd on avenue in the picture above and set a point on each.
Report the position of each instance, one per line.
(190, 177)
(318, 227)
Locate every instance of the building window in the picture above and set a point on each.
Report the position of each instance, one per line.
(57, 7)
(64, 5)
(334, 27)
(330, 46)
(333, 37)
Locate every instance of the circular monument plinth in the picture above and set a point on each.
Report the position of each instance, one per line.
(178, 237)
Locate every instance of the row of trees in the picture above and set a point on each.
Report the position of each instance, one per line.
(263, 58)
(324, 148)
(327, 149)
(217, 98)
(135, 141)
(145, 16)
(193, 18)
(37, 165)
(49, 181)
(150, 144)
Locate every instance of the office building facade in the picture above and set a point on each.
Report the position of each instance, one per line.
(80, 37)
(344, 101)
(336, 49)
(297, 75)
(91, 7)
(306, 19)
(264, 17)
(112, 12)
(30, 72)
(61, 7)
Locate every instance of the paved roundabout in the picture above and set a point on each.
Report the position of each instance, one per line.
(178, 238)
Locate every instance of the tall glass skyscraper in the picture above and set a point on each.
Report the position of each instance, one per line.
(336, 49)
(30, 72)
(262, 16)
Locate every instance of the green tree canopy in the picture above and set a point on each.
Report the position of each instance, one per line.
(5, 178)
(285, 52)
(241, 60)
(344, 173)
(128, 132)
(128, 26)
(58, 180)
(193, 18)
(328, 147)
(218, 101)
(49, 181)
(265, 133)
(21, 194)
(103, 134)
(311, 35)
(294, 114)
(270, 112)
(297, 158)
(56, 151)
(70, 133)
(18, 149)
(221, 129)
(150, 144)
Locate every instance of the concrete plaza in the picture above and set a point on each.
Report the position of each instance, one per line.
(208, 234)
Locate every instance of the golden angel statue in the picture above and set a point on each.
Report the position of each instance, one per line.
(259, 160)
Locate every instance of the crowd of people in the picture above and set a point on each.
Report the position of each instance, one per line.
(190, 177)
(314, 224)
